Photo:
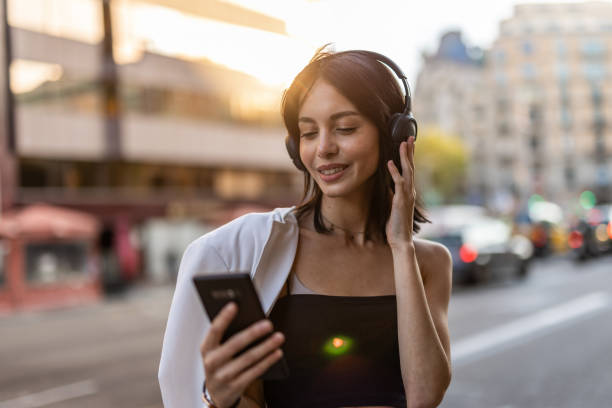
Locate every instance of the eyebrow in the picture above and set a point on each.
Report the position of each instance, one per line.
(335, 116)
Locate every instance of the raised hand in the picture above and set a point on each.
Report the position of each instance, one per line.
(399, 226)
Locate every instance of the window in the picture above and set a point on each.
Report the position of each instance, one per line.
(52, 262)
(570, 176)
(596, 96)
(529, 71)
(499, 57)
(527, 48)
(534, 113)
(503, 129)
(566, 119)
(594, 71)
(506, 162)
(599, 122)
(500, 78)
(565, 98)
(502, 105)
(593, 48)
(603, 176)
(562, 71)
(561, 48)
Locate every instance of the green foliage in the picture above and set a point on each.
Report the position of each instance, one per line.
(440, 165)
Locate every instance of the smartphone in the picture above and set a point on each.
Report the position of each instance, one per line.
(216, 290)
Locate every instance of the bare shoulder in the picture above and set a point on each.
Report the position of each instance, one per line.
(434, 259)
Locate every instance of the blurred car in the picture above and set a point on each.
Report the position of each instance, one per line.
(543, 223)
(484, 249)
(450, 217)
(591, 236)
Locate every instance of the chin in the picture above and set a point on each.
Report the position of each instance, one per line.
(336, 191)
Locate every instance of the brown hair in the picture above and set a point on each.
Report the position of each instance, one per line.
(374, 91)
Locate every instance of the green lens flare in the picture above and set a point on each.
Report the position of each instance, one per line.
(587, 200)
(337, 345)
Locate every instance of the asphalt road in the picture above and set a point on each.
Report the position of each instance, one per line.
(545, 342)
(542, 342)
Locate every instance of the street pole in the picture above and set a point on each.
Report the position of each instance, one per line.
(8, 182)
(110, 87)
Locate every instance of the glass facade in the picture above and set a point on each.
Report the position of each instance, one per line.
(55, 262)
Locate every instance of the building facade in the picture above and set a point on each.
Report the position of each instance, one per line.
(160, 147)
(550, 68)
(546, 88)
(451, 93)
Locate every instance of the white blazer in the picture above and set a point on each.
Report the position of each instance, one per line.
(262, 243)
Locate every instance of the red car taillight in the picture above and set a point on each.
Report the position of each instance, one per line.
(467, 253)
(575, 239)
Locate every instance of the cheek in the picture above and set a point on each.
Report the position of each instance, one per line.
(368, 154)
(307, 153)
(304, 153)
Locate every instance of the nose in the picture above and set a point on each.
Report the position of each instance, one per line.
(327, 144)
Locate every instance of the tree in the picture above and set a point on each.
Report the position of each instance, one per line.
(440, 165)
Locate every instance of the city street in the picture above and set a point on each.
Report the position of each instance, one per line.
(542, 342)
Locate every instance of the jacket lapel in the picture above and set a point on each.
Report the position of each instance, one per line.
(275, 262)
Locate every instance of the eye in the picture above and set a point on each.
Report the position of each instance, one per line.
(308, 134)
(346, 130)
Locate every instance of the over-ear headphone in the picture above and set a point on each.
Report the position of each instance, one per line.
(401, 125)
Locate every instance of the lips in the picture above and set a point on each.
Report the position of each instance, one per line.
(332, 166)
(336, 172)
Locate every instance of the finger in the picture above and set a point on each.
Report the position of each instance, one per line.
(250, 375)
(395, 175)
(218, 326)
(412, 147)
(240, 340)
(404, 158)
(397, 178)
(250, 357)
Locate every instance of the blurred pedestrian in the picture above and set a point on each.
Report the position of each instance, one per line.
(359, 304)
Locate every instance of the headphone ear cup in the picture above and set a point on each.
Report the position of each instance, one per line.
(294, 153)
(401, 127)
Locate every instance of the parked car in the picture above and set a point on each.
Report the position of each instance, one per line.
(484, 249)
(591, 236)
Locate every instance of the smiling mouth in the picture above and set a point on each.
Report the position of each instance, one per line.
(329, 172)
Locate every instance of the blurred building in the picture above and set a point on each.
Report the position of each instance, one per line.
(550, 68)
(543, 99)
(452, 93)
(159, 148)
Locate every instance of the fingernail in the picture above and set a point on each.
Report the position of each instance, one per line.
(264, 325)
(231, 306)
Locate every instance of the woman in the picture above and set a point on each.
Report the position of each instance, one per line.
(360, 304)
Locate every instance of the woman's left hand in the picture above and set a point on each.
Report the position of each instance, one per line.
(399, 226)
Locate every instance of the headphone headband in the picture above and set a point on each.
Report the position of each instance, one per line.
(395, 68)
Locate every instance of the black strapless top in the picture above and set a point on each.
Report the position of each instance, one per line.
(341, 351)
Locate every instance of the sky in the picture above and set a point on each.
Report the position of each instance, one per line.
(399, 29)
(402, 30)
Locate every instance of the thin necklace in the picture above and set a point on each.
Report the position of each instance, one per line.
(340, 228)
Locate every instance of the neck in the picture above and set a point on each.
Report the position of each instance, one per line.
(347, 214)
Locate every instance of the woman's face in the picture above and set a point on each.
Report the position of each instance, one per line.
(338, 145)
